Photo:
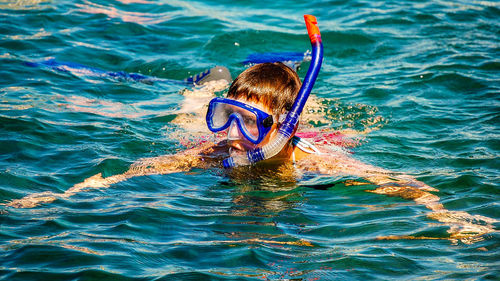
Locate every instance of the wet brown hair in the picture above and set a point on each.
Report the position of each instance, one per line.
(275, 85)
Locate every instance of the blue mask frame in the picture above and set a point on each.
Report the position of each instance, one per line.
(264, 120)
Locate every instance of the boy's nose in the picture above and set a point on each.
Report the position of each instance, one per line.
(234, 131)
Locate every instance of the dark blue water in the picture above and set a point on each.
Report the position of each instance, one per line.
(415, 84)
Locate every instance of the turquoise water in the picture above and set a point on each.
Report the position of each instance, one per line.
(427, 71)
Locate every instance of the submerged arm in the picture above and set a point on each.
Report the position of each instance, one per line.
(463, 226)
(167, 164)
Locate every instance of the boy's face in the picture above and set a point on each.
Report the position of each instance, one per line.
(238, 142)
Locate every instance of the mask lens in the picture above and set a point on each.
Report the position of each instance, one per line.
(247, 120)
(222, 113)
(250, 125)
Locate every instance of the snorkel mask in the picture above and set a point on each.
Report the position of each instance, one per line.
(258, 132)
(252, 122)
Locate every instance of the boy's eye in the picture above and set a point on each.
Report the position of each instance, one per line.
(227, 112)
(249, 120)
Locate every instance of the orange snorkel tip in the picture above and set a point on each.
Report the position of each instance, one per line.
(312, 28)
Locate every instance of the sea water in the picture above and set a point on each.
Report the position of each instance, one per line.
(416, 84)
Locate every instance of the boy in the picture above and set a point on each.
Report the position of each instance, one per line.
(250, 116)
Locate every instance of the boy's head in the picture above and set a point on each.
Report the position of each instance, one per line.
(274, 85)
(254, 103)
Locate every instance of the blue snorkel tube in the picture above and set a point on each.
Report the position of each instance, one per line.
(292, 119)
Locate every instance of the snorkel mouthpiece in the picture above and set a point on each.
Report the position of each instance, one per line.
(292, 119)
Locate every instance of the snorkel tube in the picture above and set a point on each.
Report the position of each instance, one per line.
(292, 119)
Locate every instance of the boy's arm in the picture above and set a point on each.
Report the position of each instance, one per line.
(463, 226)
(167, 164)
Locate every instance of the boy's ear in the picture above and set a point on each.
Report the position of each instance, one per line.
(281, 118)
